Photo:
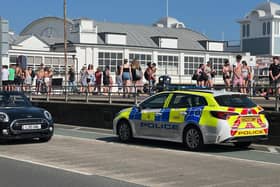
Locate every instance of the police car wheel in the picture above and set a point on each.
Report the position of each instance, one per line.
(242, 144)
(193, 139)
(124, 131)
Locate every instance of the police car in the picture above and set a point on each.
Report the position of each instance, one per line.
(195, 118)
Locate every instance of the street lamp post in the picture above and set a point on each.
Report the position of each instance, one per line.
(65, 41)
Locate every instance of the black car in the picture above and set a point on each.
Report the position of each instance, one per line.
(20, 120)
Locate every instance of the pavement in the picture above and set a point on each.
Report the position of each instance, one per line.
(78, 156)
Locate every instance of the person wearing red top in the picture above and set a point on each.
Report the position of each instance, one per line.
(98, 78)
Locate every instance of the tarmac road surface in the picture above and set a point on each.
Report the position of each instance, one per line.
(94, 157)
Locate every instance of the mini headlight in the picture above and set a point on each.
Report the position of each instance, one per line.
(48, 115)
(4, 117)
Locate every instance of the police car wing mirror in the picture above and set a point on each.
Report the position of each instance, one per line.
(138, 107)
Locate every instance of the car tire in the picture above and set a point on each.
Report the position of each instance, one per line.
(124, 131)
(45, 139)
(242, 144)
(193, 139)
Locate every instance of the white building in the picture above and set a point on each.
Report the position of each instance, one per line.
(260, 30)
(175, 49)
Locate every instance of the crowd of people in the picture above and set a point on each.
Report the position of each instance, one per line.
(18, 78)
(128, 78)
(236, 76)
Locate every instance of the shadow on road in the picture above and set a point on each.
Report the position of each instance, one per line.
(19, 142)
(215, 148)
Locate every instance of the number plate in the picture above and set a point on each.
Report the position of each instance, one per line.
(31, 127)
(248, 119)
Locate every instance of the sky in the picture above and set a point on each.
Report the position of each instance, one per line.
(217, 19)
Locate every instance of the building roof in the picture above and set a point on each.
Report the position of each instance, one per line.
(266, 9)
(50, 29)
(142, 36)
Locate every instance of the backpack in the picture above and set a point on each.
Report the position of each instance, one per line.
(138, 74)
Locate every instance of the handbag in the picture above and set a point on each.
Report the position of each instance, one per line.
(194, 77)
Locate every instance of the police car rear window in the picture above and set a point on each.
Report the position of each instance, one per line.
(241, 101)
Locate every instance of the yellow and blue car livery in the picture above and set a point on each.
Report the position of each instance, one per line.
(218, 117)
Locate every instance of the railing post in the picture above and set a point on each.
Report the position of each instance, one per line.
(135, 94)
(276, 98)
(110, 96)
(87, 96)
(66, 96)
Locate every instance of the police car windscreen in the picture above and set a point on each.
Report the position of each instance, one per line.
(240, 101)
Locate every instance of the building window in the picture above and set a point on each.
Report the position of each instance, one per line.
(191, 64)
(111, 59)
(268, 28)
(13, 60)
(168, 65)
(142, 58)
(217, 64)
(248, 30)
(276, 28)
(243, 31)
(264, 28)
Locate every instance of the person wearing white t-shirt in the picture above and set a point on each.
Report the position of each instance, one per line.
(5, 77)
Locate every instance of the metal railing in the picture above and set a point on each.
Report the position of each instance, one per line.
(133, 94)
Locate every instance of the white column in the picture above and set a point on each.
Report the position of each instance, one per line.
(95, 52)
(181, 68)
(155, 57)
(126, 54)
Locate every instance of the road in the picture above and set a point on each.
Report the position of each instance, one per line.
(94, 157)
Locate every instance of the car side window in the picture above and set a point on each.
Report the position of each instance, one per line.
(186, 101)
(180, 101)
(155, 102)
(198, 101)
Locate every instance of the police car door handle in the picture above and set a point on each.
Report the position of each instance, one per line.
(183, 113)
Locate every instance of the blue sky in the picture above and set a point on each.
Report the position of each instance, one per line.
(211, 17)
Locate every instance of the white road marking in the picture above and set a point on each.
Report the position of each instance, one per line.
(272, 150)
(46, 165)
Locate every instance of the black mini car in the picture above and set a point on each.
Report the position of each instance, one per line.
(20, 120)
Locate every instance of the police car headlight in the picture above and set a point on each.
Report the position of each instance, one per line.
(4, 117)
(47, 115)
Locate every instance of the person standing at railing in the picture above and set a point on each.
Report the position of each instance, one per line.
(98, 80)
(39, 79)
(210, 72)
(11, 86)
(83, 78)
(5, 77)
(237, 77)
(137, 76)
(71, 79)
(28, 79)
(119, 79)
(227, 71)
(245, 73)
(274, 77)
(106, 79)
(90, 78)
(126, 78)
